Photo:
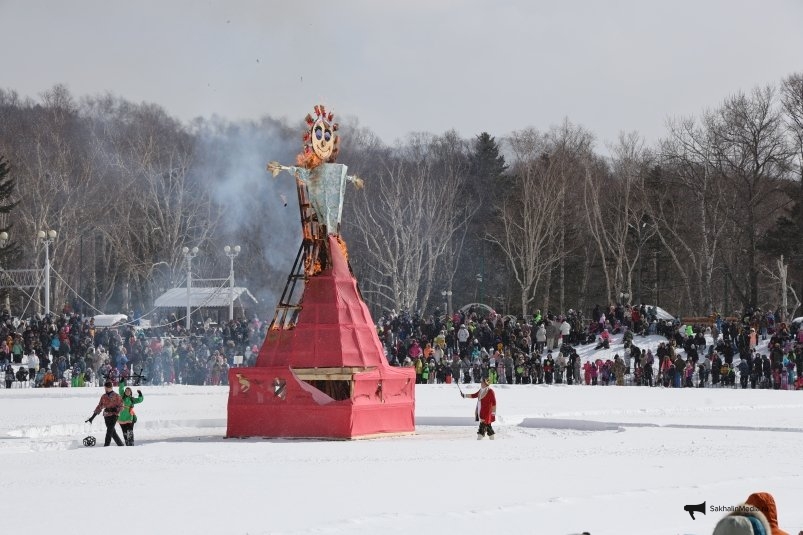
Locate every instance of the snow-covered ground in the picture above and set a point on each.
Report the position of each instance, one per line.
(607, 460)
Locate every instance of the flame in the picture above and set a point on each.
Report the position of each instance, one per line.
(343, 248)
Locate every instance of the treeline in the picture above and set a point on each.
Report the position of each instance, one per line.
(709, 219)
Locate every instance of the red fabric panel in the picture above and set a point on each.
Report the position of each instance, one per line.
(255, 409)
(334, 329)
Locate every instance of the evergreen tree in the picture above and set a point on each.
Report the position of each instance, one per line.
(479, 269)
(10, 251)
(784, 238)
(487, 165)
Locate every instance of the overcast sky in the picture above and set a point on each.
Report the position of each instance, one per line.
(409, 65)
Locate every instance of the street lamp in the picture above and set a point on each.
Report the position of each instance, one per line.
(3, 242)
(447, 302)
(47, 238)
(232, 253)
(189, 254)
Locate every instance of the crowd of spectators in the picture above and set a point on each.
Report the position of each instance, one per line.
(69, 350)
(542, 349)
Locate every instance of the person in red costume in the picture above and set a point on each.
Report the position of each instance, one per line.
(485, 412)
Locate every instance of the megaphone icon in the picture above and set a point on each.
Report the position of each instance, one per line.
(700, 508)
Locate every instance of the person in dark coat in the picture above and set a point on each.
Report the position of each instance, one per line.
(111, 404)
(9, 375)
(22, 376)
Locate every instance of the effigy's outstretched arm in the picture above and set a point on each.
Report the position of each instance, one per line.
(300, 173)
(357, 181)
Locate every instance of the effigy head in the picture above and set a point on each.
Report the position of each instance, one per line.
(321, 142)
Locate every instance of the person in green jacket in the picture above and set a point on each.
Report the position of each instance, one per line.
(127, 417)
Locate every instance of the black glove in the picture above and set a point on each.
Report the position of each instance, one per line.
(89, 420)
(139, 392)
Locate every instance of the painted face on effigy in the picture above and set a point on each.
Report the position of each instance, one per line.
(323, 139)
(321, 142)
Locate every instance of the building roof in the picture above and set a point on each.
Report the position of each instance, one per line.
(109, 320)
(202, 297)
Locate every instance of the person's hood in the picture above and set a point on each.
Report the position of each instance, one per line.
(743, 523)
(766, 504)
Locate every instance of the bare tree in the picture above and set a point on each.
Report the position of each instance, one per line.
(570, 146)
(694, 249)
(58, 177)
(528, 214)
(407, 216)
(751, 152)
(168, 207)
(792, 102)
(615, 204)
(781, 277)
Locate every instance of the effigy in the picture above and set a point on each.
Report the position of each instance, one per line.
(321, 371)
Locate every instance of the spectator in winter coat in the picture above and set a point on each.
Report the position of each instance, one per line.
(49, 379)
(440, 340)
(456, 368)
(22, 376)
(462, 337)
(744, 372)
(560, 366)
(122, 361)
(111, 404)
(419, 368)
(508, 360)
(540, 338)
(32, 361)
(415, 350)
(565, 331)
(485, 413)
(552, 332)
(647, 366)
(619, 370)
(9, 375)
(587, 372)
(16, 351)
(757, 515)
(666, 370)
(127, 417)
(604, 340)
(688, 374)
(39, 378)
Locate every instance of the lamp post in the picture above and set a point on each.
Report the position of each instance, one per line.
(47, 238)
(232, 253)
(189, 254)
(3, 242)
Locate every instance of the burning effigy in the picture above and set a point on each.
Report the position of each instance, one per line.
(321, 371)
